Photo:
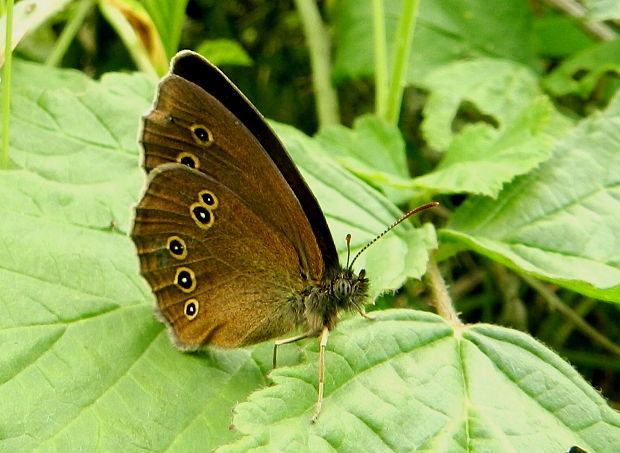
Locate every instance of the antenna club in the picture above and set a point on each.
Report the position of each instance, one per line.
(348, 239)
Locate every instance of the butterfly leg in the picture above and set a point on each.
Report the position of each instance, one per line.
(319, 401)
(290, 340)
(363, 313)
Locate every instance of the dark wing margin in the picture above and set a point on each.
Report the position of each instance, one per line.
(196, 69)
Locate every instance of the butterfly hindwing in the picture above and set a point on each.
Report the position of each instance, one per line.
(199, 243)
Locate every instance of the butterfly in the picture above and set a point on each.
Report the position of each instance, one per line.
(230, 238)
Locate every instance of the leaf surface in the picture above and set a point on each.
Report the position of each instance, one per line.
(561, 222)
(409, 382)
(446, 31)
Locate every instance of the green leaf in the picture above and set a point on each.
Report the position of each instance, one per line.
(410, 382)
(511, 137)
(77, 139)
(84, 362)
(581, 73)
(27, 16)
(481, 159)
(27, 76)
(374, 150)
(559, 36)
(224, 52)
(446, 31)
(600, 10)
(169, 18)
(561, 223)
(499, 89)
(352, 207)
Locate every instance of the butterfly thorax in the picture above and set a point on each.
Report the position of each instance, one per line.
(340, 290)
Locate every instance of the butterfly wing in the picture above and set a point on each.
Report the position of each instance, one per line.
(268, 245)
(221, 273)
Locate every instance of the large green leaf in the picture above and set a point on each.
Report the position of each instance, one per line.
(168, 18)
(510, 138)
(374, 150)
(84, 363)
(27, 16)
(27, 77)
(560, 223)
(599, 10)
(559, 36)
(224, 52)
(499, 89)
(409, 382)
(581, 73)
(446, 31)
(77, 140)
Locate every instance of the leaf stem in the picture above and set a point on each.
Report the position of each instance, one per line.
(439, 291)
(6, 84)
(69, 32)
(381, 83)
(575, 9)
(591, 360)
(583, 308)
(556, 303)
(129, 38)
(402, 51)
(319, 48)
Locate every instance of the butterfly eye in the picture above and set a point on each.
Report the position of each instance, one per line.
(188, 159)
(177, 248)
(202, 135)
(201, 215)
(191, 309)
(185, 279)
(208, 198)
(342, 288)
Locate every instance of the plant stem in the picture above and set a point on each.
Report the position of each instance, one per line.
(556, 303)
(575, 9)
(439, 290)
(402, 50)
(69, 32)
(582, 309)
(6, 84)
(129, 38)
(588, 359)
(319, 47)
(381, 84)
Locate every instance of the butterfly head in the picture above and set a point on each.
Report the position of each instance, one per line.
(341, 290)
(349, 289)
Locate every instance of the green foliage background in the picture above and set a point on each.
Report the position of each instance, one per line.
(510, 118)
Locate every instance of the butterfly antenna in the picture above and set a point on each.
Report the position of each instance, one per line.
(348, 239)
(388, 229)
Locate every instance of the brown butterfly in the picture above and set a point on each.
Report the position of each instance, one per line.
(230, 238)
